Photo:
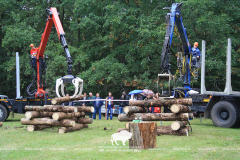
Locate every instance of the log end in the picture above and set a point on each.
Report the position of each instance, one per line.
(61, 130)
(76, 110)
(30, 128)
(55, 116)
(126, 109)
(190, 115)
(175, 108)
(175, 126)
(92, 109)
(73, 123)
(28, 115)
(54, 101)
(1, 124)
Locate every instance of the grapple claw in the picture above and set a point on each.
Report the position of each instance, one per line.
(59, 82)
(76, 81)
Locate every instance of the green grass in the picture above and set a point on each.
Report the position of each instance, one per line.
(205, 142)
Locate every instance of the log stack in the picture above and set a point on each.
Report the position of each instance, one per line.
(68, 118)
(180, 115)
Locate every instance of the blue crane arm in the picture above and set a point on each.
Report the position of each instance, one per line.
(172, 18)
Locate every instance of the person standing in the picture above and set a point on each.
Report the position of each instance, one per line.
(110, 105)
(155, 109)
(33, 53)
(84, 103)
(122, 103)
(149, 108)
(91, 103)
(97, 106)
(196, 51)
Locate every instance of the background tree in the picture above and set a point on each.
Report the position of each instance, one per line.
(115, 45)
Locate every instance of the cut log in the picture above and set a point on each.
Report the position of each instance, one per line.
(143, 135)
(85, 120)
(65, 99)
(62, 115)
(134, 109)
(167, 130)
(161, 102)
(1, 124)
(191, 116)
(169, 127)
(52, 108)
(85, 125)
(70, 129)
(85, 108)
(35, 114)
(178, 124)
(178, 108)
(50, 122)
(32, 128)
(155, 117)
(122, 129)
(127, 125)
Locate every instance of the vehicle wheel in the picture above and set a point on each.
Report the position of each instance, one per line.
(225, 114)
(3, 113)
(8, 113)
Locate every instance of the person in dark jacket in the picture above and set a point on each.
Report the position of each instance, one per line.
(110, 105)
(91, 103)
(122, 104)
(97, 106)
(84, 103)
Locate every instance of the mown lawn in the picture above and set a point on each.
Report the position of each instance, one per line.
(205, 142)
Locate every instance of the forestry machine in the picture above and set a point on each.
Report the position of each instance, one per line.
(187, 63)
(53, 18)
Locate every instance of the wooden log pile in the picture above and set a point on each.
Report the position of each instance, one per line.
(180, 115)
(68, 118)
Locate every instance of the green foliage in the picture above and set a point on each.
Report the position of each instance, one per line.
(115, 45)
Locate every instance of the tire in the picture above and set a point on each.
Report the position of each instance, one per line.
(3, 113)
(225, 114)
(8, 113)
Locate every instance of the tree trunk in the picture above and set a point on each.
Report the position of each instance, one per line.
(60, 100)
(50, 122)
(52, 108)
(144, 135)
(35, 114)
(62, 115)
(167, 130)
(122, 129)
(70, 129)
(134, 109)
(85, 108)
(178, 108)
(32, 128)
(178, 124)
(161, 102)
(1, 124)
(85, 120)
(155, 117)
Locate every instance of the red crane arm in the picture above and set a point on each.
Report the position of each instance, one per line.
(52, 18)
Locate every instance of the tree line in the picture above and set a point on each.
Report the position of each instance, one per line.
(115, 45)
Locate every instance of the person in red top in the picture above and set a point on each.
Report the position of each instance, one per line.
(156, 109)
(34, 51)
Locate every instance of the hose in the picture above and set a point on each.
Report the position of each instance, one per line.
(34, 80)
